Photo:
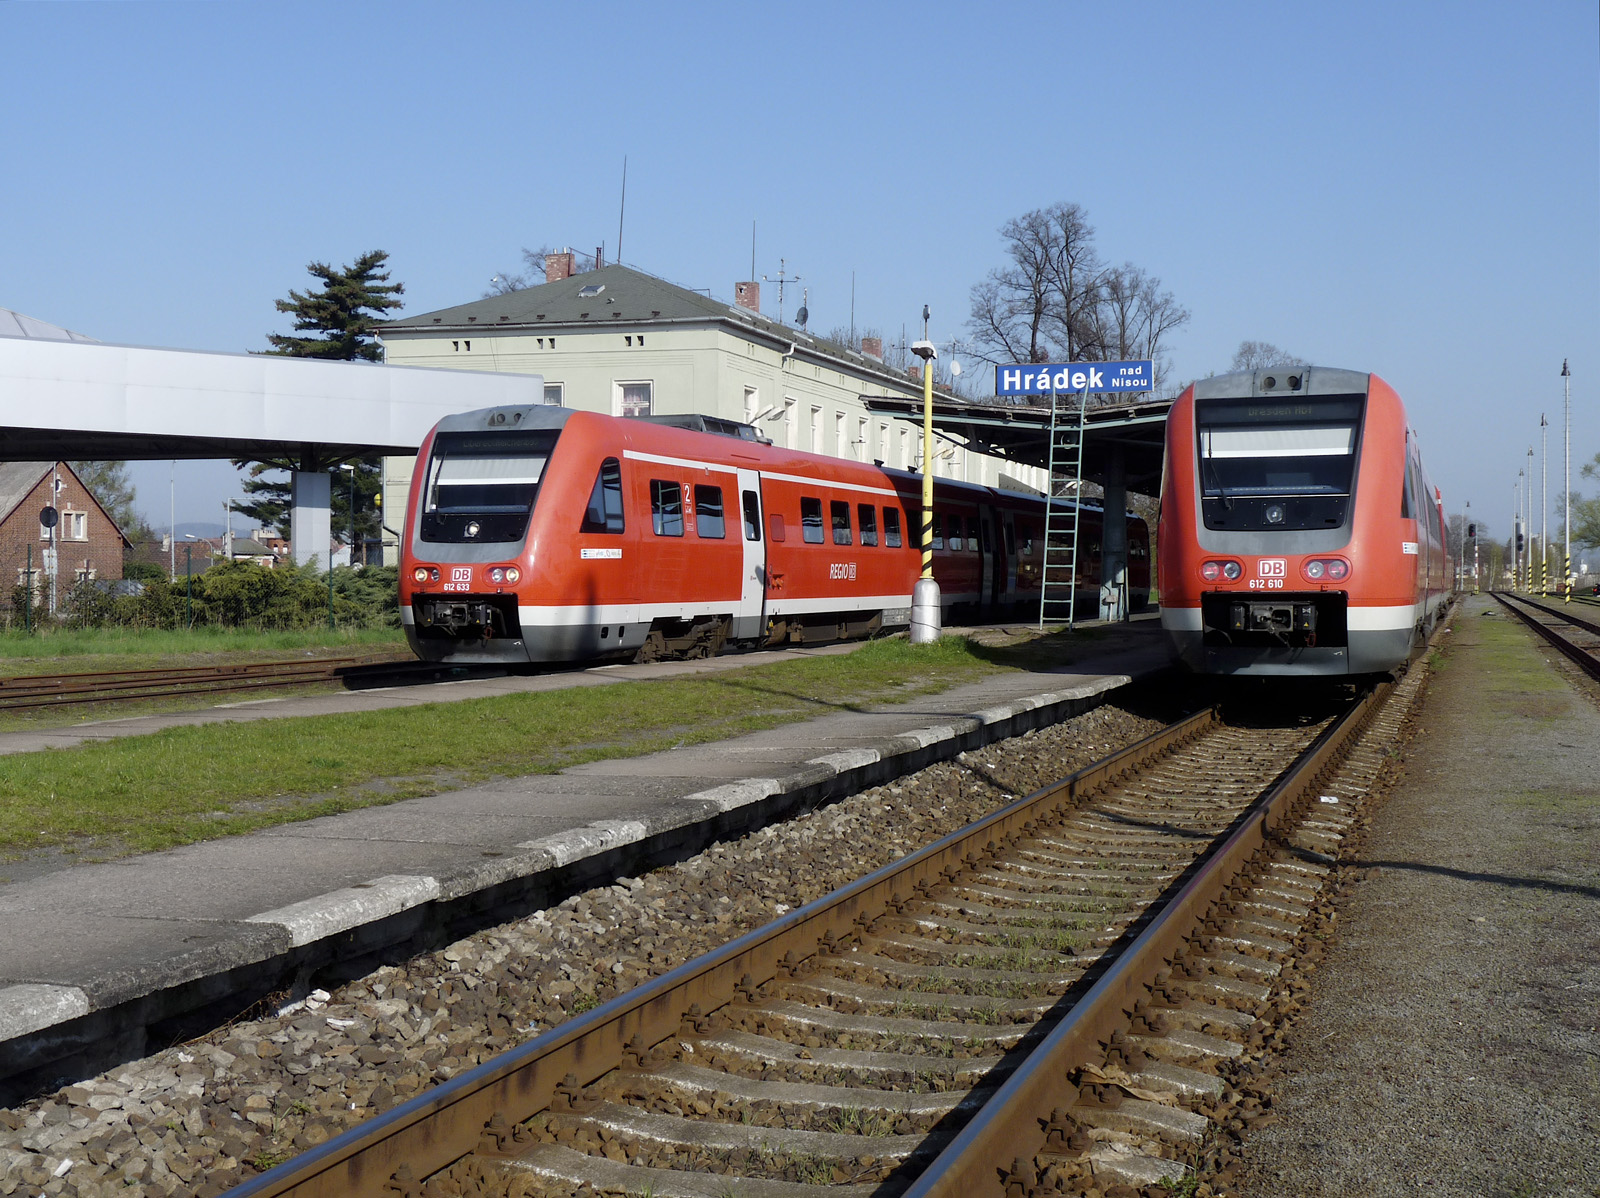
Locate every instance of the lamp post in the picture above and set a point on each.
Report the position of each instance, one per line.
(1566, 489)
(188, 579)
(925, 594)
(352, 470)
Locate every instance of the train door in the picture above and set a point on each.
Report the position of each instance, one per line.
(988, 569)
(1006, 548)
(749, 617)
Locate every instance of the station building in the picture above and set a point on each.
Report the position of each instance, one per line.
(620, 341)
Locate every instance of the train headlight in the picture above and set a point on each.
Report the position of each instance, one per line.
(1211, 571)
(433, 573)
(1332, 569)
(420, 574)
(1274, 513)
(513, 575)
(497, 574)
(1231, 571)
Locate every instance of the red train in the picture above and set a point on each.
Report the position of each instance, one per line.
(545, 534)
(1299, 533)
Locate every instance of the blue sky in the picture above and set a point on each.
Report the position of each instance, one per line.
(1410, 189)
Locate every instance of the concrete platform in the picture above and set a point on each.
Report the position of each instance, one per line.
(137, 951)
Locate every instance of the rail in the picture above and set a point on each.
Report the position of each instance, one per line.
(388, 1154)
(1585, 658)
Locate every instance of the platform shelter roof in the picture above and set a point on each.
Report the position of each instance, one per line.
(1020, 432)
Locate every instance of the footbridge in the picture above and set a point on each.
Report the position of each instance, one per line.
(64, 398)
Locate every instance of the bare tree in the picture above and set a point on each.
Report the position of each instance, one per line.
(1036, 308)
(1261, 355)
(1057, 301)
(1131, 317)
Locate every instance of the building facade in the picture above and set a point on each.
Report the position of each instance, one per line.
(620, 341)
(86, 543)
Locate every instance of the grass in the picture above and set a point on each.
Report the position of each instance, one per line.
(93, 649)
(187, 784)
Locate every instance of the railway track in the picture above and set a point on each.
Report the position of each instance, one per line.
(1575, 634)
(1052, 996)
(112, 686)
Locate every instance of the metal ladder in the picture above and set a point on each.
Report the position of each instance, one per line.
(1058, 578)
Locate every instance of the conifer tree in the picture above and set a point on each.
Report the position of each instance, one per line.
(342, 316)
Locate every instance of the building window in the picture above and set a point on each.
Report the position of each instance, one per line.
(634, 399)
(811, 520)
(840, 511)
(666, 508)
(28, 579)
(604, 513)
(752, 404)
(708, 521)
(841, 438)
(70, 526)
(555, 394)
(87, 574)
(869, 523)
(862, 445)
(816, 429)
(891, 527)
(788, 424)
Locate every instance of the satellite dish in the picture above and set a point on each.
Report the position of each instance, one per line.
(803, 315)
(955, 368)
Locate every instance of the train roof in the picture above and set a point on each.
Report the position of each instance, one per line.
(1283, 382)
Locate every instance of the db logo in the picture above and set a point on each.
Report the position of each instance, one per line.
(460, 573)
(1272, 567)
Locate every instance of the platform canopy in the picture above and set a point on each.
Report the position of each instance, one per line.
(1020, 432)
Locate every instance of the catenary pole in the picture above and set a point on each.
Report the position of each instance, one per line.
(1544, 504)
(1566, 489)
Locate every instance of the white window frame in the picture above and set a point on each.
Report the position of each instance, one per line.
(752, 404)
(619, 385)
(561, 394)
(816, 428)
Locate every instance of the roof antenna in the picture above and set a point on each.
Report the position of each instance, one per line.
(804, 314)
(752, 249)
(623, 208)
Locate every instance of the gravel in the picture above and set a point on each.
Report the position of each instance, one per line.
(1450, 1045)
(201, 1117)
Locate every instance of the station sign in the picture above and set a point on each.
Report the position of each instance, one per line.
(1063, 377)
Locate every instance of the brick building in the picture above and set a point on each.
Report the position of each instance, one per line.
(89, 543)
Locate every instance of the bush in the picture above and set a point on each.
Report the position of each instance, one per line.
(241, 595)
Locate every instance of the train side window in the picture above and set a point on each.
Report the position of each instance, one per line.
(1406, 512)
(953, 542)
(938, 531)
(988, 541)
(811, 520)
(1011, 541)
(666, 508)
(1027, 540)
(868, 516)
(839, 511)
(891, 527)
(604, 513)
(708, 520)
(752, 516)
(775, 529)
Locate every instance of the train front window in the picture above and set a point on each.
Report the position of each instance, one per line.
(481, 487)
(1277, 466)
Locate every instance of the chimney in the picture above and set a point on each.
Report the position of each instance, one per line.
(914, 371)
(872, 347)
(748, 295)
(558, 266)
